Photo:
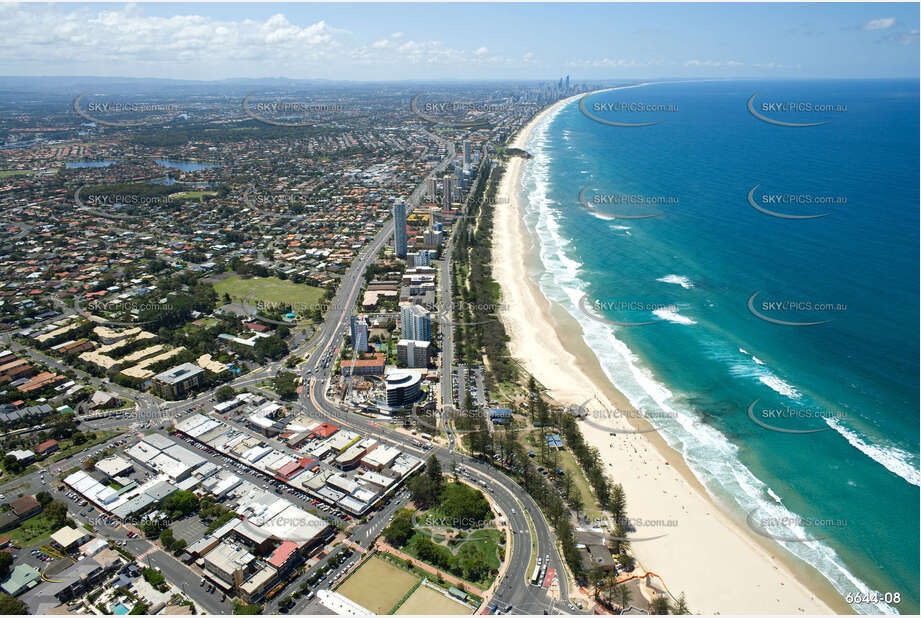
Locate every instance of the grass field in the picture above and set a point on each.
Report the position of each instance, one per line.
(425, 600)
(377, 585)
(9, 173)
(67, 448)
(32, 530)
(191, 195)
(566, 460)
(271, 290)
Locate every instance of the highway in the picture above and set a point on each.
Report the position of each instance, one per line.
(514, 588)
(512, 500)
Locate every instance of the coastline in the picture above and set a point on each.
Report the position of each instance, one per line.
(761, 578)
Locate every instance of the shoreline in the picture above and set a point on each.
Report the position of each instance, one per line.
(658, 483)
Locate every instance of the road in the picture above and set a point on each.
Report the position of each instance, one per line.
(512, 500)
(514, 588)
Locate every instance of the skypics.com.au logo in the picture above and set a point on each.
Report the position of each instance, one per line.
(291, 110)
(459, 113)
(616, 113)
(124, 112)
(465, 313)
(771, 111)
(774, 309)
(772, 204)
(118, 313)
(628, 307)
(629, 206)
(291, 314)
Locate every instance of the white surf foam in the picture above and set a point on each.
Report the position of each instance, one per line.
(681, 280)
(892, 458)
(671, 315)
(712, 457)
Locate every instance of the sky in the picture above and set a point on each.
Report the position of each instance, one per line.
(460, 41)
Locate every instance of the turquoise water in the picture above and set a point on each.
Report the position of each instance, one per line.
(185, 166)
(840, 485)
(120, 609)
(79, 164)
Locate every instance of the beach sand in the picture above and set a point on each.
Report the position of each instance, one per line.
(719, 564)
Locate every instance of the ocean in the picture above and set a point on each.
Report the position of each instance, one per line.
(752, 288)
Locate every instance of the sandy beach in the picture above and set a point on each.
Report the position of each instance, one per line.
(719, 564)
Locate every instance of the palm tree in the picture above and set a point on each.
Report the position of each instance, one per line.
(623, 595)
(659, 606)
(680, 608)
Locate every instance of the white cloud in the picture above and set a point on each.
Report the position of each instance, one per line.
(615, 62)
(879, 24)
(396, 35)
(381, 44)
(481, 51)
(905, 38)
(714, 63)
(37, 33)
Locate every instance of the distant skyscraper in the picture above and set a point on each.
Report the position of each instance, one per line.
(467, 152)
(448, 195)
(430, 187)
(399, 228)
(415, 323)
(567, 82)
(359, 333)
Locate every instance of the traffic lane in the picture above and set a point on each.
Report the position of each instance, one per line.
(303, 602)
(509, 503)
(188, 581)
(365, 534)
(546, 543)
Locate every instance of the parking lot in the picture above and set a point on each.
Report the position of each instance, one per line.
(332, 513)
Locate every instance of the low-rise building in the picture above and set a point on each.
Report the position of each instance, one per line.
(46, 448)
(177, 382)
(68, 538)
(23, 577)
(25, 507)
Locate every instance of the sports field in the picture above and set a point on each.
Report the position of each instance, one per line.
(270, 290)
(377, 585)
(425, 600)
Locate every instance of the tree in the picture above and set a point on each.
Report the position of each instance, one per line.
(224, 393)
(6, 562)
(400, 529)
(619, 541)
(153, 577)
(622, 593)
(659, 606)
(618, 502)
(167, 538)
(10, 606)
(56, 513)
(285, 384)
(12, 465)
(151, 529)
(180, 504)
(464, 506)
(680, 608)
(44, 498)
(433, 471)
